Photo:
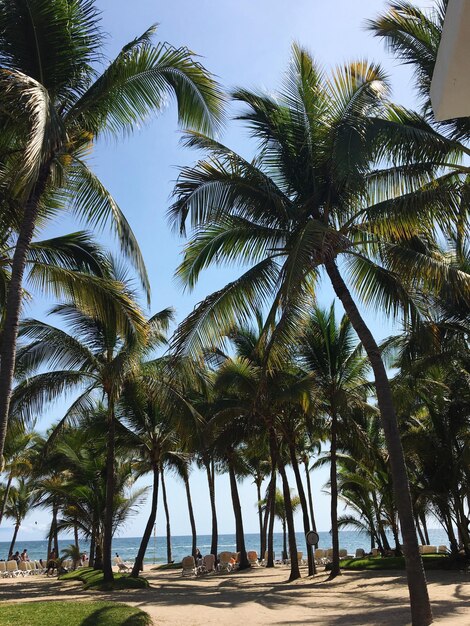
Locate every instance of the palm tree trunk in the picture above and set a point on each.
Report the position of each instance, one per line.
(262, 540)
(13, 541)
(139, 561)
(335, 570)
(425, 527)
(91, 556)
(285, 554)
(75, 535)
(310, 498)
(210, 471)
(55, 510)
(5, 496)
(191, 513)
(266, 520)
(420, 532)
(109, 503)
(303, 504)
(14, 298)
(240, 534)
(421, 612)
(294, 561)
(169, 558)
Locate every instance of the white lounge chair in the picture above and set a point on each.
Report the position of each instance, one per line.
(252, 557)
(225, 562)
(12, 569)
(208, 564)
(189, 566)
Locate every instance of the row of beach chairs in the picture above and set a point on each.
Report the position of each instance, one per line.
(11, 569)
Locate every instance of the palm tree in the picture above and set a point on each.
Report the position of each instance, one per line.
(94, 357)
(20, 500)
(280, 513)
(55, 106)
(19, 453)
(311, 197)
(331, 353)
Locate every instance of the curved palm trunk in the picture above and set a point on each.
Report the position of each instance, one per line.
(139, 561)
(169, 558)
(272, 496)
(240, 534)
(5, 496)
(13, 541)
(210, 472)
(294, 561)
(425, 527)
(335, 570)
(14, 297)
(303, 504)
(191, 513)
(109, 503)
(419, 599)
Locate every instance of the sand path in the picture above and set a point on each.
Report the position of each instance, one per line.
(261, 596)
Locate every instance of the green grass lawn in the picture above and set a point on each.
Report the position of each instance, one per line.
(73, 614)
(93, 579)
(430, 561)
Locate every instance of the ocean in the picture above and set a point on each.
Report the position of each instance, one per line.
(127, 547)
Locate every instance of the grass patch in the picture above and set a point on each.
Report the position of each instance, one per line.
(430, 561)
(72, 614)
(178, 565)
(93, 579)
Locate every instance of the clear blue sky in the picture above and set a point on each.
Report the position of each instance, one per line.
(245, 43)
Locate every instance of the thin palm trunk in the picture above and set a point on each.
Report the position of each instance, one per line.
(303, 504)
(240, 534)
(425, 527)
(13, 541)
(75, 535)
(262, 542)
(420, 532)
(335, 569)
(266, 522)
(419, 598)
(191, 513)
(55, 511)
(310, 497)
(109, 505)
(272, 496)
(139, 561)
(6, 493)
(294, 561)
(91, 558)
(285, 554)
(14, 299)
(210, 471)
(169, 558)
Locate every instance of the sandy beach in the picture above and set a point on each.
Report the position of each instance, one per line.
(260, 596)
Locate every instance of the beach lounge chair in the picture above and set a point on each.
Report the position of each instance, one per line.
(375, 552)
(208, 564)
(23, 568)
(12, 569)
(443, 550)
(3, 569)
(320, 556)
(122, 567)
(252, 557)
(428, 549)
(360, 553)
(300, 558)
(343, 553)
(225, 564)
(189, 566)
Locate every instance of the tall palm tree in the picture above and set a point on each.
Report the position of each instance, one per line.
(331, 353)
(94, 357)
(20, 500)
(55, 106)
(319, 196)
